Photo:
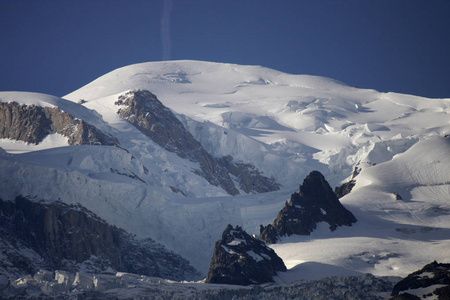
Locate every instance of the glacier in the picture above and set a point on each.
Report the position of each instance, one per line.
(285, 126)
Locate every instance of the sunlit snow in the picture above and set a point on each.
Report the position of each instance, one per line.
(286, 125)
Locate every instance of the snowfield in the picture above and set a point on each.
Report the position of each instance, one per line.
(286, 126)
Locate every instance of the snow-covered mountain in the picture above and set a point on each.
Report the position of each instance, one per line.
(240, 129)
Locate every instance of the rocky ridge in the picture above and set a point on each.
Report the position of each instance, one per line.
(431, 282)
(241, 259)
(142, 109)
(56, 236)
(315, 202)
(31, 124)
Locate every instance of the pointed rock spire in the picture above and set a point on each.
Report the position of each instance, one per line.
(315, 202)
(243, 260)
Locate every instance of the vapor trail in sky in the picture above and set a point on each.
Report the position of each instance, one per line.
(165, 29)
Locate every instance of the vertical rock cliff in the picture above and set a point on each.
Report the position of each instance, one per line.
(31, 124)
(70, 237)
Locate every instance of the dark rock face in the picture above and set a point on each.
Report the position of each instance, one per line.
(21, 122)
(142, 109)
(243, 260)
(32, 124)
(432, 274)
(269, 233)
(347, 187)
(65, 237)
(344, 189)
(315, 202)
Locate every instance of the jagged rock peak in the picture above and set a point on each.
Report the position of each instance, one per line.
(315, 202)
(31, 124)
(241, 259)
(316, 187)
(432, 281)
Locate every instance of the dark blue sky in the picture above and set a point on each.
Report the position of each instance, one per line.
(57, 46)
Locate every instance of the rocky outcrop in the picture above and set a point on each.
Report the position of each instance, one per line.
(31, 124)
(22, 122)
(432, 281)
(249, 178)
(347, 187)
(142, 109)
(344, 189)
(69, 237)
(243, 260)
(315, 202)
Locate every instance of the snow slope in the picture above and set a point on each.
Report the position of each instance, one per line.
(286, 125)
(286, 120)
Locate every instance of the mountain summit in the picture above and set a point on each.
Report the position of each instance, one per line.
(175, 151)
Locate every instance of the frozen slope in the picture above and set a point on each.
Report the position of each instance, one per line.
(286, 125)
(293, 122)
(392, 236)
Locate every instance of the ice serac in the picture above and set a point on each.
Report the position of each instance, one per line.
(432, 281)
(315, 202)
(142, 109)
(243, 260)
(53, 235)
(65, 285)
(32, 123)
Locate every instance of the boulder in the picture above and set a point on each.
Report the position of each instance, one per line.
(243, 260)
